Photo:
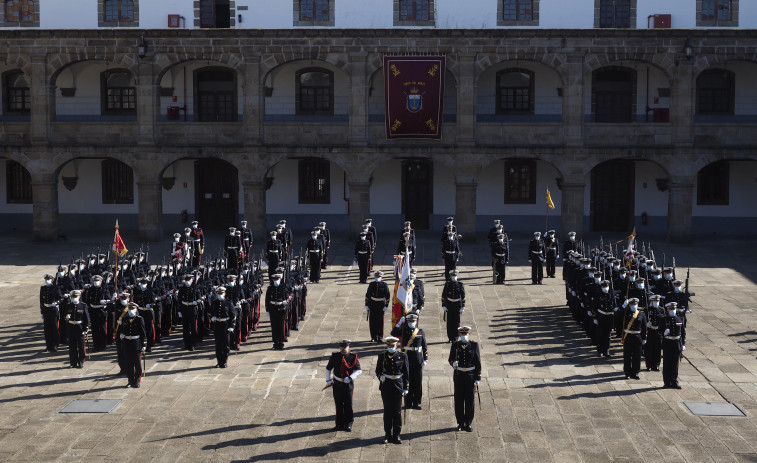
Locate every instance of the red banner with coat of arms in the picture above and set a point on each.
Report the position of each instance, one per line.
(414, 93)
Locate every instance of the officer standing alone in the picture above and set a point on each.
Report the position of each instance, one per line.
(465, 358)
(341, 371)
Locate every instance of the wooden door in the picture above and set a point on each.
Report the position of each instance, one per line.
(612, 196)
(417, 192)
(216, 194)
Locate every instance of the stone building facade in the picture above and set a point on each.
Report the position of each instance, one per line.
(161, 124)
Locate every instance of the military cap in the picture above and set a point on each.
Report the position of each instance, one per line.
(390, 340)
(623, 270)
(572, 233)
(654, 297)
(123, 296)
(282, 222)
(412, 316)
(667, 270)
(450, 218)
(592, 269)
(233, 229)
(72, 266)
(496, 221)
(231, 277)
(367, 221)
(48, 276)
(96, 277)
(221, 290)
(243, 222)
(633, 300)
(464, 329)
(187, 230)
(413, 271)
(276, 276)
(501, 235)
(671, 305)
(378, 273)
(633, 273)
(187, 277)
(551, 231)
(604, 283)
(321, 224)
(279, 269)
(407, 223)
(454, 271)
(344, 343)
(75, 292)
(655, 271)
(133, 306)
(585, 260)
(177, 235)
(363, 233)
(194, 222)
(537, 233)
(677, 283)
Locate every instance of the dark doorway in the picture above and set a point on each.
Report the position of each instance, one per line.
(216, 194)
(614, 94)
(612, 196)
(215, 14)
(417, 192)
(216, 90)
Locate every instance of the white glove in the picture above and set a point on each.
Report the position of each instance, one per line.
(615, 309)
(572, 293)
(596, 322)
(454, 364)
(404, 393)
(144, 349)
(367, 308)
(400, 322)
(148, 306)
(683, 348)
(625, 303)
(179, 314)
(329, 382)
(382, 379)
(425, 362)
(103, 301)
(475, 383)
(347, 380)
(68, 317)
(118, 322)
(42, 317)
(649, 324)
(462, 309)
(230, 330)
(589, 313)
(213, 319)
(667, 332)
(445, 309)
(582, 304)
(643, 342)
(194, 302)
(386, 308)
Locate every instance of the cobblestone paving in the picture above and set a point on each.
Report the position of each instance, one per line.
(545, 396)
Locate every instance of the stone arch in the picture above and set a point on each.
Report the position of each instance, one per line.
(376, 63)
(60, 62)
(662, 61)
(165, 63)
(553, 61)
(269, 63)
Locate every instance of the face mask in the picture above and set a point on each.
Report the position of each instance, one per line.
(102, 261)
(97, 284)
(450, 237)
(143, 287)
(622, 276)
(616, 267)
(91, 262)
(232, 283)
(677, 289)
(377, 279)
(231, 233)
(48, 282)
(597, 280)
(72, 272)
(221, 297)
(81, 266)
(124, 267)
(668, 276)
(362, 238)
(412, 279)
(176, 240)
(572, 238)
(672, 313)
(244, 226)
(60, 274)
(276, 282)
(501, 241)
(640, 286)
(464, 338)
(188, 283)
(634, 308)
(655, 304)
(194, 226)
(312, 237)
(391, 350)
(132, 312)
(411, 324)
(657, 277)
(186, 234)
(632, 279)
(75, 300)
(605, 290)
(241, 282)
(591, 274)
(453, 278)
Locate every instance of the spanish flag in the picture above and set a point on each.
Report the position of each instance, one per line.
(550, 204)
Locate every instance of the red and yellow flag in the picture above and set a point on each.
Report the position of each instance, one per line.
(550, 204)
(119, 247)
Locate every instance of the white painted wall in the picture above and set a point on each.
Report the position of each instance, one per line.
(175, 78)
(85, 77)
(444, 190)
(490, 195)
(546, 83)
(648, 197)
(470, 14)
(86, 198)
(6, 208)
(282, 79)
(746, 90)
(386, 188)
(283, 195)
(180, 197)
(644, 98)
(742, 191)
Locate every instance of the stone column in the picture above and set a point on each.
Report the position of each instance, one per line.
(359, 206)
(255, 210)
(147, 104)
(682, 103)
(680, 205)
(465, 209)
(573, 99)
(41, 101)
(150, 210)
(253, 109)
(358, 98)
(466, 100)
(572, 208)
(45, 207)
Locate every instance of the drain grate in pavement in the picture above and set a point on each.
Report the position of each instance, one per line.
(713, 409)
(91, 406)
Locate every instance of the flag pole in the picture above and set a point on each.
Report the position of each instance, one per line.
(115, 273)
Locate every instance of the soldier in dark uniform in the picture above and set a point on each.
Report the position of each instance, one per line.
(246, 235)
(232, 247)
(377, 299)
(198, 244)
(634, 337)
(224, 319)
(450, 254)
(673, 331)
(500, 258)
(277, 297)
(536, 256)
(492, 235)
(448, 227)
(419, 292)
(345, 368)
(655, 317)
(132, 335)
(315, 255)
(409, 229)
(603, 308)
(655, 282)
(144, 298)
(286, 237)
(569, 245)
(49, 298)
(372, 232)
(370, 239)
(413, 343)
(406, 244)
(188, 298)
(77, 321)
(363, 256)
(97, 298)
(155, 284)
(465, 358)
(453, 303)
(119, 312)
(234, 294)
(553, 251)
(273, 253)
(392, 370)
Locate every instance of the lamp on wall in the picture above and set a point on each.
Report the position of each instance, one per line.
(687, 52)
(142, 47)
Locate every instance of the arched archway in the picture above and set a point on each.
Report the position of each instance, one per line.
(723, 198)
(15, 196)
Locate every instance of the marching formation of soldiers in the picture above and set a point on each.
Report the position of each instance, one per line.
(643, 304)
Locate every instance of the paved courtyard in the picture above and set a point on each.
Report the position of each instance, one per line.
(545, 396)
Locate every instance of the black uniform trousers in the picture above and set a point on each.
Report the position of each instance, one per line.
(343, 402)
(537, 270)
(315, 268)
(551, 261)
(414, 396)
(632, 355)
(450, 263)
(189, 325)
(133, 359)
(500, 268)
(50, 322)
(671, 359)
(149, 316)
(246, 321)
(76, 349)
(376, 319)
(453, 319)
(465, 389)
(99, 318)
(362, 263)
(605, 324)
(278, 322)
(652, 348)
(392, 398)
(221, 330)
